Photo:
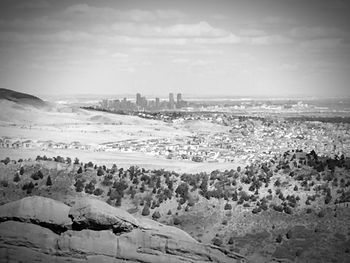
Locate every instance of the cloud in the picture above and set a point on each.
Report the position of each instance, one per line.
(201, 29)
(270, 40)
(315, 32)
(85, 11)
(251, 32)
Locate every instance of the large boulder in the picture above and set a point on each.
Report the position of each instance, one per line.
(38, 210)
(90, 213)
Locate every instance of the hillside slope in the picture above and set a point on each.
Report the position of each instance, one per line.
(22, 98)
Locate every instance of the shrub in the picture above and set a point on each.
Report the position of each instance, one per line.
(16, 178)
(4, 183)
(98, 191)
(145, 210)
(228, 206)
(278, 208)
(21, 171)
(6, 160)
(182, 190)
(156, 215)
(100, 172)
(321, 214)
(37, 175)
(79, 185)
(279, 239)
(28, 187)
(177, 221)
(89, 188)
(169, 212)
(216, 241)
(80, 170)
(231, 241)
(287, 210)
(48, 181)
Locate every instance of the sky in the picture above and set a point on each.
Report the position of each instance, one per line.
(268, 48)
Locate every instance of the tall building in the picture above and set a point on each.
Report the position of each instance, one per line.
(171, 101)
(179, 98)
(157, 103)
(138, 99)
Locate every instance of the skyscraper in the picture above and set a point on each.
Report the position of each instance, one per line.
(138, 99)
(179, 98)
(171, 101)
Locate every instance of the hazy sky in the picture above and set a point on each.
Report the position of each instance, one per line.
(203, 47)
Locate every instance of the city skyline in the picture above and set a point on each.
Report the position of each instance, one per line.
(250, 48)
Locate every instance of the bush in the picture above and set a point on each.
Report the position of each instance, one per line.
(80, 170)
(279, 239)
(98, 191)
(37, 175)
(278, 208)
(4, 183)
(21, 171)
(100, 172)
(28, 187)
(145, 210)
(228, 206)
(169, 212)
(156, 215)
(79, 185)
(89, 188)
(177, 221)
(321, 214)
(16, 178)
(48, 181)
(231, 241)
(216, 241)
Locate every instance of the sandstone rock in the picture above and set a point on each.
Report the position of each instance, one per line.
(95, 214)
(138, 246)
(38, 210)
(139, 241)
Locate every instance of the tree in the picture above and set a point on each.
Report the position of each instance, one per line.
(6, 160)
(228, 206)
(182, 190)
(21, 171)
(16, 178)
(80, 170)
(100, 172)
(37, 175)
(79, 185)
(68, 160)
(89, 188)
(156, 215)
(145, 210)
(48, 181)
(76, 160)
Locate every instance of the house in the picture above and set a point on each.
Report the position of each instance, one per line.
(28, 144)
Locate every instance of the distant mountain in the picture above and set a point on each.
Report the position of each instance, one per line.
(21, 98)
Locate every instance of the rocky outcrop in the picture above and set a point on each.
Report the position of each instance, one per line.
(95, 214)
(101, 233)
(38, 210)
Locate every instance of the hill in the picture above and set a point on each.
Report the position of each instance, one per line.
(291, 208)
(22, 98)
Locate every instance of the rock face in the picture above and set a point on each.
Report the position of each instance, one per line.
(98, 215)
(100, 233)
(38, 210)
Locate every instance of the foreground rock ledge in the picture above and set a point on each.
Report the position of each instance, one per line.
(100, 233)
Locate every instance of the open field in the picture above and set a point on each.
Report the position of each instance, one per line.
(121, 159)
